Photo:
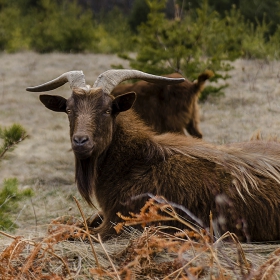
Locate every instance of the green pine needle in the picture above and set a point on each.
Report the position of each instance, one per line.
(11, 136)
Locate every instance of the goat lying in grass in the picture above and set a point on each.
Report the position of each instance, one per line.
(118, 157)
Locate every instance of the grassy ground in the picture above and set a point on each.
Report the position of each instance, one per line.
(45, 163)
(251, 103)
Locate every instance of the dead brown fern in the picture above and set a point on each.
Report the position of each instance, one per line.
(141, 255)
(16, 262)
(153, 254)
(150, 212)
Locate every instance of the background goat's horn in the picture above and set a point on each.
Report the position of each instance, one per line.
(75, 78)
(111, 78)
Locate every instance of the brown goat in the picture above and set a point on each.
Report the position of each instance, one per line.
(118, 157)
(168, 108)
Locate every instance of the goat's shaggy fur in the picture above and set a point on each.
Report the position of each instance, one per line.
(122, 158)
(168, 108)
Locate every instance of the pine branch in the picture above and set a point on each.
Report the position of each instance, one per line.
(12, 145)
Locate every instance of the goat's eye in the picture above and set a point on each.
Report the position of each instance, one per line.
(68, 111)
(108, 111)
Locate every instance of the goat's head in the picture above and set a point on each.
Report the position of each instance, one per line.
(92, 110)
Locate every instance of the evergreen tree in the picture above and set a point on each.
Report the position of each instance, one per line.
(138, 14)
(180, 44)
(262, 10)
(255, 11)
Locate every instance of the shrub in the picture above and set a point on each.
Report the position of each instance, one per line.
(10, 137)
(113, 34)
(241, 38)
(65, 27)
(46, 26)
(9, 193)
(12, 32)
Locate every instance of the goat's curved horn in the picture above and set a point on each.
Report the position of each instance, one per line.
(111, 78)
(75, 78)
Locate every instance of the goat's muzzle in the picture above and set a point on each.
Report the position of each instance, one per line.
(82, 146)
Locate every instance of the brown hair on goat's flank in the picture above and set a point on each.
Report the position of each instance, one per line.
(239, 183)
(193, 174)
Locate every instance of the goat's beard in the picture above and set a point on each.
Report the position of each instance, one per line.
(85, 177)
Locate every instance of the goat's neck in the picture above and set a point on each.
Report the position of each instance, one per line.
(132, 139)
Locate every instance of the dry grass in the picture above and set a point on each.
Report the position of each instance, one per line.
(251, 103)
(152, 254)
(45, 163)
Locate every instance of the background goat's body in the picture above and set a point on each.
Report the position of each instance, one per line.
(168, 108)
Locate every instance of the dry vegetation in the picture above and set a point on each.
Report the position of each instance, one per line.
(45, 163)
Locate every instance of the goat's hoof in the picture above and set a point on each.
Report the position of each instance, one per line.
(95, 220)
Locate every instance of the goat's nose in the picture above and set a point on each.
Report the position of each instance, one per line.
(80, 140)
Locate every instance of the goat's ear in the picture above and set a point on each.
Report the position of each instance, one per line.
(54, 102)
(123, 102)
